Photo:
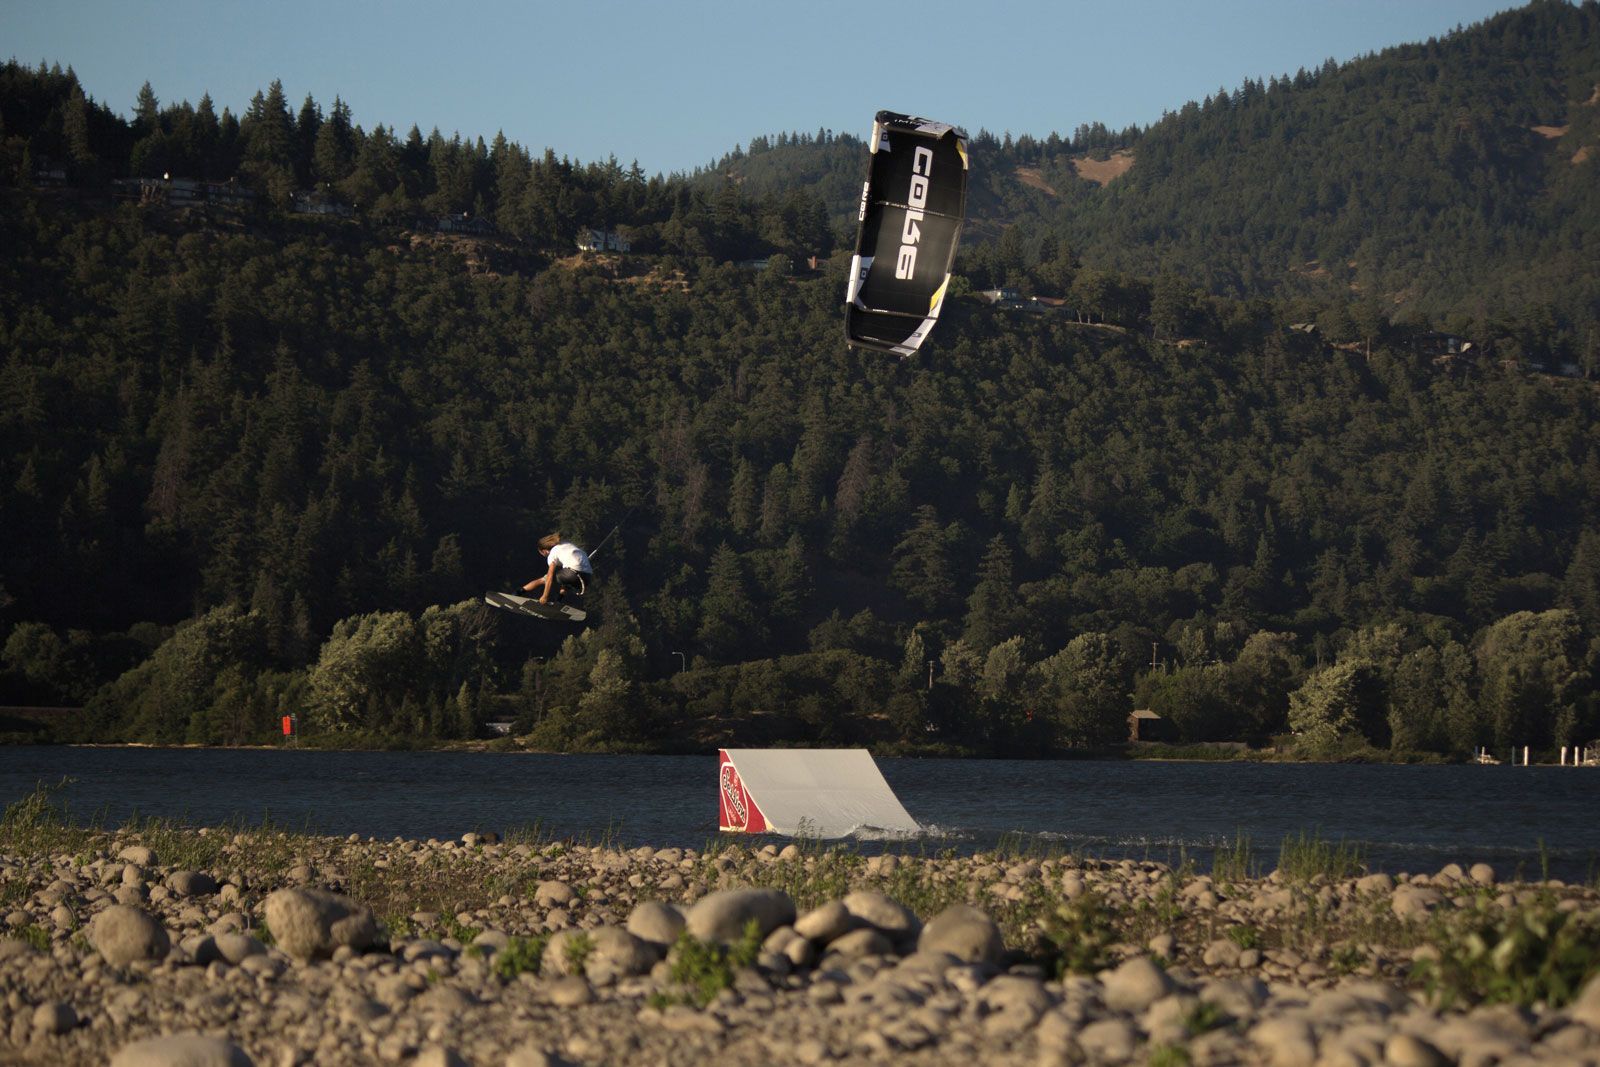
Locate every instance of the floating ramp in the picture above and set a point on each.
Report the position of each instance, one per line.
(816, 792)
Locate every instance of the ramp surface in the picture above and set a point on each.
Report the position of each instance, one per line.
(821, 793)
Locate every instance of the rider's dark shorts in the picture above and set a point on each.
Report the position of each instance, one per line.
(577, 581)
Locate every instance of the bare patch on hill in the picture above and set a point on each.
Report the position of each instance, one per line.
(1594, 97)
(1102, 171)
(1311, 268)
(1580, 155)
(477, 253)
(1033, 178)
(1549, 133)
(627, 270)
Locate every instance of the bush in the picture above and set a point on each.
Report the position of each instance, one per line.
(1081, 932)
(521, 956)
(1526, 956)
(706, 968)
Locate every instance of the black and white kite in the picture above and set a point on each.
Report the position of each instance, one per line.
(910, 222)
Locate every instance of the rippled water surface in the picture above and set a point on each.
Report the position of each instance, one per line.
(1407, 818)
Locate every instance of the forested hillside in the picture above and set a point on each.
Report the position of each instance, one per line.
(255, 462)
(1454, 182)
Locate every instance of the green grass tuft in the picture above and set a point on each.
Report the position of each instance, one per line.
(1235, 862)
(1303, 856)
(706, 968)
(522, 955)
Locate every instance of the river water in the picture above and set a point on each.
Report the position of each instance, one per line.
(1530, 819)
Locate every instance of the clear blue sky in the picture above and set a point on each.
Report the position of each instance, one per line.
(677, 84)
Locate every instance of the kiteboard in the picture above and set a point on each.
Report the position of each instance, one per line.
(527, 605)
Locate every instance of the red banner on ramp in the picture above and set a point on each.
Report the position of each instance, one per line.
(736, 811)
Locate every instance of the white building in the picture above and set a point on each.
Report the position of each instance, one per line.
(592, 240)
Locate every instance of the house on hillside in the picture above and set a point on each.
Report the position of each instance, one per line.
(317, 202)
(595, 240)
(473, 226)
(48, 174)
(1004, 299)
(1146, 725)
(182, 192)
(228, 194)
(1432, 344)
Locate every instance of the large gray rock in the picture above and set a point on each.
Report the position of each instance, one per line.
(723, 916)
(439, 1056)
(1015, 994)
(54, 1017)
(964, 932)
(1285, 1042)
(12, 947)
(1239, 997)
(1375, 883)
(568, 991)
(551, 894)
(1586, 1008)
(235, 948)
(1135, 985)
(182, 1050)
(139, 854)
(655, 922)
(444, 1000)
(1408, 1050)
(312, 923)
(123, 934)
(1221, 953)
(1415, 901)
(1109, 1040)
(533, 1055)
(883, 914)
(863, 942)
(615, 953)
(191, 883)
(825, 922)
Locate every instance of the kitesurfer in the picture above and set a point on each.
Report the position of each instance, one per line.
(567, 569)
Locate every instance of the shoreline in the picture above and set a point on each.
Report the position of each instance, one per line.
(497, 747)
(295, 949)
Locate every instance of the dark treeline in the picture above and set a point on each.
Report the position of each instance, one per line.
(384, 177)
(256, 464)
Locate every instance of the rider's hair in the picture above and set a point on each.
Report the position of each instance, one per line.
(549, 541)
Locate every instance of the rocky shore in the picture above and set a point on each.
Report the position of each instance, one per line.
(158, 945)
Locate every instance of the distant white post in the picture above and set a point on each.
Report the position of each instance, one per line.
(1525, 755)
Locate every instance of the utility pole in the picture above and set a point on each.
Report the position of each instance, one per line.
(930, 674)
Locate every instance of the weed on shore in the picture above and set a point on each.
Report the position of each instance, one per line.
(1531, 954)
(1304, 856)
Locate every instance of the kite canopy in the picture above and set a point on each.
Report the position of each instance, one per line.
(910, 223)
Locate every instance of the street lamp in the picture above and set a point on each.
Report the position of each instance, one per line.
(683, 662)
